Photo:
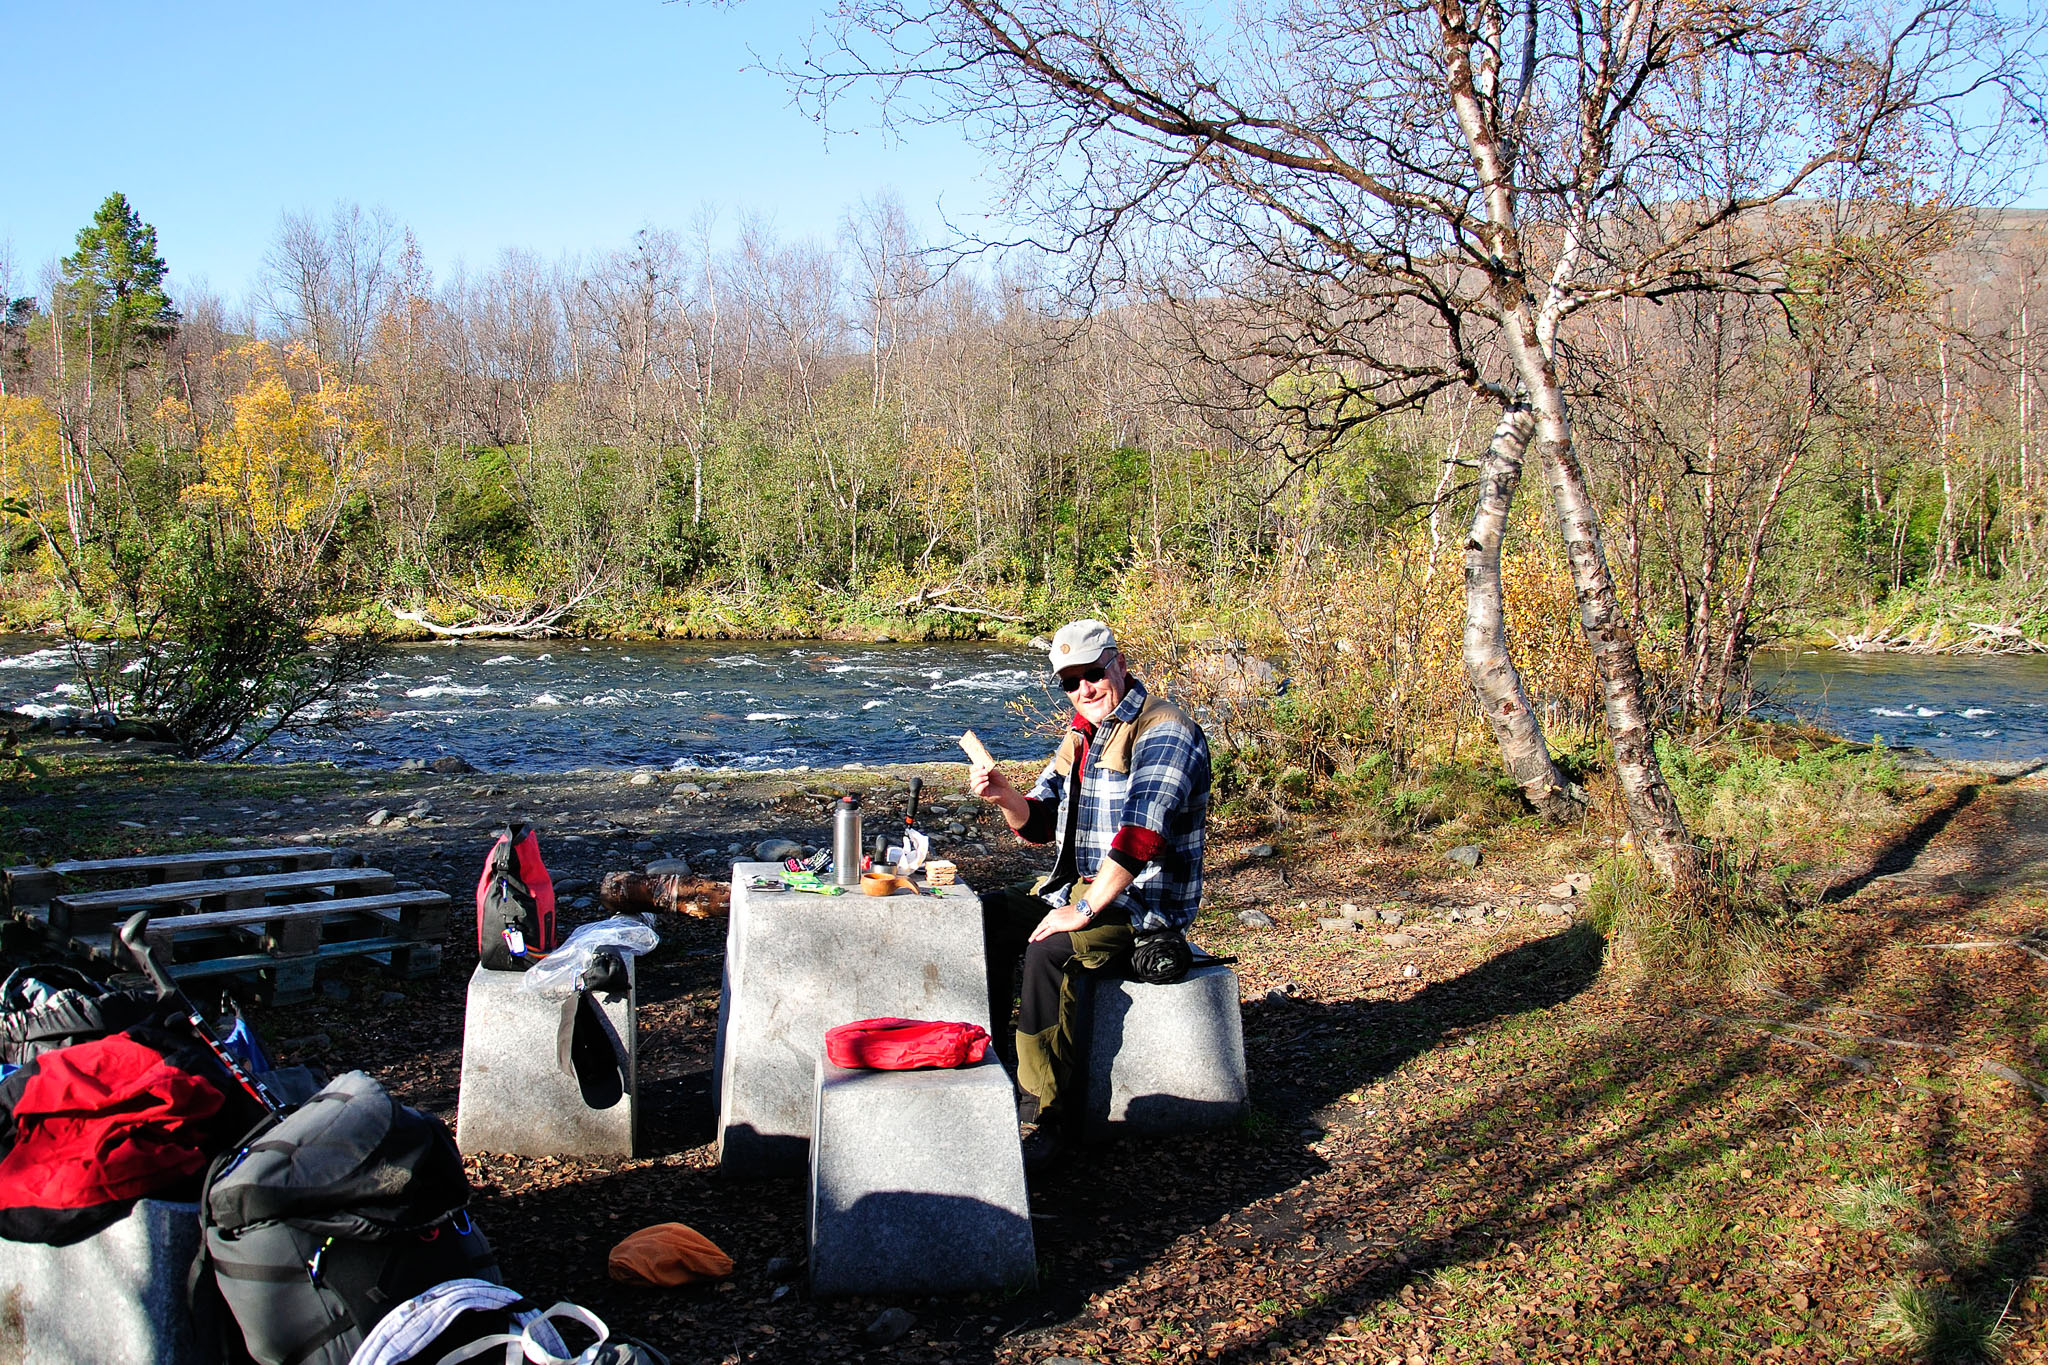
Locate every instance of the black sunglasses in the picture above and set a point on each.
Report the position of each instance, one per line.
(1086, 675)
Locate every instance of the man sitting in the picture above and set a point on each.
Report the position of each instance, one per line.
(1125, 803)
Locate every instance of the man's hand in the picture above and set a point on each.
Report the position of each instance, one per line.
(1062, 919)
(987, 782)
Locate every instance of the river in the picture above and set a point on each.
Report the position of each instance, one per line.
(556, 705)
(1954, 706)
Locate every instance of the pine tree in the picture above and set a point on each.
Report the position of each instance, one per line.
(113, 287)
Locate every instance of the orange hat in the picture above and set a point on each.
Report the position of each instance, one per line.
(668, 1254)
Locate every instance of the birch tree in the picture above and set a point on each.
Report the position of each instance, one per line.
(1480, 174)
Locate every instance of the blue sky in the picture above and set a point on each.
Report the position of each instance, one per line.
(557, 127)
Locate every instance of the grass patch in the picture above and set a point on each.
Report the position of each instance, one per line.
(1936, 1325)
(1872, 1204)
(1718, 929)
(1796, 797)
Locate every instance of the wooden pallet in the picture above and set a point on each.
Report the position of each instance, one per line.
(32, 885)
(279, 927)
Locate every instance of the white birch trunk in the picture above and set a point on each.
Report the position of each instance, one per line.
(1495, 682)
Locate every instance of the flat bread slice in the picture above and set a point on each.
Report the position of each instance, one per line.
(976, 750)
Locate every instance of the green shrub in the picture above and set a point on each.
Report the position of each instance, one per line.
(206, 650)
(1747, 796)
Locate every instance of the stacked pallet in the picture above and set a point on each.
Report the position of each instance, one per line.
(276, 915)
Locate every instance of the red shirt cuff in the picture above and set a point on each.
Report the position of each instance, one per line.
(1140, 843)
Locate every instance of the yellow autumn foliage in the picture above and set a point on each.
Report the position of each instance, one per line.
(1369, 642)
(35, 463)
(298, 444)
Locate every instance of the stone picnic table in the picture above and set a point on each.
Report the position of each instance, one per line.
(797, 964)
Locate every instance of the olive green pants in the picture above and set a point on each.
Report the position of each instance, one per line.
(1048, 999)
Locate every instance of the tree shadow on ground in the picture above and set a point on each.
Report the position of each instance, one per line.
(1898, 854)
(1303, 1055)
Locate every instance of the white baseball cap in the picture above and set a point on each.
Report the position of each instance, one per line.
(1080, 642)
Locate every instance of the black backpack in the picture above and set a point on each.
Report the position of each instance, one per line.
(322, 1221)
(48, 1006)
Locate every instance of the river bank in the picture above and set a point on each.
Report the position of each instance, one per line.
(796, 611)
(1477, 1133)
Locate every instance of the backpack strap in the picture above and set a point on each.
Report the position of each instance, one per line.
(531, 1342)
(504, 1342)
(1157, 710)
(539, 1343)
(307, 1349)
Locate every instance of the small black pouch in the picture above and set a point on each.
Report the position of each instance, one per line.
(1161, 957)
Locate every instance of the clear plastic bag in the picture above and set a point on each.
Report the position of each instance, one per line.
(556, 974)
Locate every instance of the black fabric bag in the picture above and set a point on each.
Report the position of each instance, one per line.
(1161, 957)
(322, 1221)
(48, 1006)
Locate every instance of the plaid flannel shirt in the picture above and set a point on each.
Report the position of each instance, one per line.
(1151, 819)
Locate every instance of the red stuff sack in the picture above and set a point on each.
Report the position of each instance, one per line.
(905, 1044)
(515, 903)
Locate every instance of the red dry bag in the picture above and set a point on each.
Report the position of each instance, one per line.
(515, 903)
(905, 1044)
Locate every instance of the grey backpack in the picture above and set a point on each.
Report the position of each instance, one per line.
(322, 1221)
(48, 1006)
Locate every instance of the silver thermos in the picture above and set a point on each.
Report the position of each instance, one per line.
(846, 842)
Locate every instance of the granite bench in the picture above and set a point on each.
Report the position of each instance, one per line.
(515, 1097)
(119, 1295)
(1162, 1059)
(917, 1183)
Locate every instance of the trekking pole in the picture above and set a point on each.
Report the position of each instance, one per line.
(167, 989)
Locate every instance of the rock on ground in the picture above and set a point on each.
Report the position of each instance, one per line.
(888, 1326)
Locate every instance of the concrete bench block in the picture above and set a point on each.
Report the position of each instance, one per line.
(797, 964)
(917, 1183)
(515, 1096)
(117, 1295)
(1162, 1059)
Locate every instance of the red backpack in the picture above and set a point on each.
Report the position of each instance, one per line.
(905, 1044)
(515, 903)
